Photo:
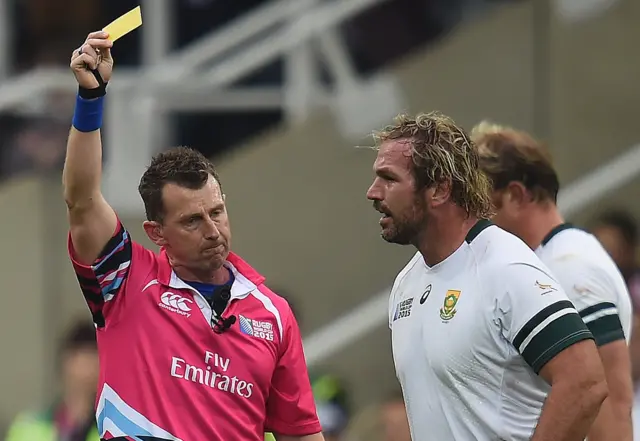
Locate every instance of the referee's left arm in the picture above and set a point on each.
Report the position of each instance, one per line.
(545, 328)
(291, 410)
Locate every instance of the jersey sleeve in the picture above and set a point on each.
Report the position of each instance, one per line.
(291, 408)
(101, 282)
(536, 315)
(592, 292)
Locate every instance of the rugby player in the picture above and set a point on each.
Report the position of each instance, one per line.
(486, 344)
(192, 344)
(525, 189)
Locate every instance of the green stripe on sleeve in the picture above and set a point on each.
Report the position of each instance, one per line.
(555, 337)
(606, 329)
(537, 319)
(598, 308)
(604, 323)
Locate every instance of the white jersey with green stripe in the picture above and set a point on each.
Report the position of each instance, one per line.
(592, 281)
(471, 334)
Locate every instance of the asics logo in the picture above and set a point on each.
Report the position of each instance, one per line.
(176, 301)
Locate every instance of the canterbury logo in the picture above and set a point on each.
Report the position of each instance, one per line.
(176, 301)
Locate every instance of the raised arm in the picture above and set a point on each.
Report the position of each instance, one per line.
(92, 221)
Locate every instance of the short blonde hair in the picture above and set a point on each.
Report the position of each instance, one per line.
(508, 155)
(442, 151)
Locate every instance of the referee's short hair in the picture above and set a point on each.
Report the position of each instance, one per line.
(182, 166)
(509, 155)
(442, 151)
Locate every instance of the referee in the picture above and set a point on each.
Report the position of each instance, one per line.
(192, 344)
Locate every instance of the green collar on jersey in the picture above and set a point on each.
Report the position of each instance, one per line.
(477, 229)
(557, 229)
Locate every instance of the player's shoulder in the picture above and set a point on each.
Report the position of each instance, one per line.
(411, 266)
(404, 281)
(571, 241)
(505, 264)
(495, 250)
(577, 254)
(405, 275)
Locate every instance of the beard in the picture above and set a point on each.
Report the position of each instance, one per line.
(406, 227)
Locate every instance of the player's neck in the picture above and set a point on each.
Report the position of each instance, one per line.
(443, 236)
(539, 223)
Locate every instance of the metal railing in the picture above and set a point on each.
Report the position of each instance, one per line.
(373, 313)
(131, 149)
(139, 99)
(305, 19)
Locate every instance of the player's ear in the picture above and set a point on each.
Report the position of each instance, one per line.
(441, 193)
(154, 232)
(517, 193)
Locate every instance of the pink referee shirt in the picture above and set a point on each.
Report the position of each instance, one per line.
(166, 375)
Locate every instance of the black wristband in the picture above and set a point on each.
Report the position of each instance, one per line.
(99, 91)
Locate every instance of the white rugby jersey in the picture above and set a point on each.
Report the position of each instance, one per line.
(592, 281)
(470, 335)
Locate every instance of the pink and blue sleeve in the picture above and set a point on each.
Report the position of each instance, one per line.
(102, 282)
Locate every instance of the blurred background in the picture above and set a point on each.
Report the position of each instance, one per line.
(278, 93)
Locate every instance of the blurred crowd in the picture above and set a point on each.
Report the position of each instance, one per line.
(36, 143)
(71, 416)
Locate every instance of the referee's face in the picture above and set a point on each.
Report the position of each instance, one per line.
(195, 231)
(393, 193)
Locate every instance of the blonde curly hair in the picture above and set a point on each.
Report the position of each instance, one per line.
(442, 151)
(508, 155)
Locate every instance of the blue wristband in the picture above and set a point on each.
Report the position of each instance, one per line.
(87, 116)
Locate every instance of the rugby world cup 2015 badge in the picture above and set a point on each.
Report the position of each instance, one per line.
(403, 309)
(448, 310)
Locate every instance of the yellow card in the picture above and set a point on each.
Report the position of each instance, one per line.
(124, 24)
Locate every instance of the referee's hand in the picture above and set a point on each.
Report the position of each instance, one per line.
(94, 54)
